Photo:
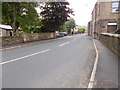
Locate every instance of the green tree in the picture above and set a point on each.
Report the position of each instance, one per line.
(70, 24)
(19, 15)
(63, 28)
(54, 14)
(81, 30)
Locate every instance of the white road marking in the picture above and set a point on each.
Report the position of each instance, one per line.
(63, 44)
(24, 57)
(92, 78)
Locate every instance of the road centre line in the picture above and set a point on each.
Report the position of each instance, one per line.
(63, 44)
(24, 57)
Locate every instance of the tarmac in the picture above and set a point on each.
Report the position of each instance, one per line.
(107, 74)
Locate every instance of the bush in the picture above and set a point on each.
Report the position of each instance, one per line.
(81, 30)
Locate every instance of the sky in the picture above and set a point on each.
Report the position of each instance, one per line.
(82, 10)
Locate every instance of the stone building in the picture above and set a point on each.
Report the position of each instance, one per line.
(104, 18)
(89, 28)
(5, 30)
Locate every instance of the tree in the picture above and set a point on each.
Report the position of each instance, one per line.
(19, 15)
(70, 24)
(54, 14)
(81, 30)
(63, 28)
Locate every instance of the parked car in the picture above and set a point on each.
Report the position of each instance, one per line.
(63, 33)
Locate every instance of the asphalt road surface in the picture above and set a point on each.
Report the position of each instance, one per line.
(62, 63)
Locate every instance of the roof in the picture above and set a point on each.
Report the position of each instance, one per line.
(5, 26)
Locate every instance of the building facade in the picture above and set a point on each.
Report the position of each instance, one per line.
(89, 28)
(104, 18)
(6, 30)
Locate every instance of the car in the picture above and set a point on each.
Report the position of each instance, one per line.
(63, 33)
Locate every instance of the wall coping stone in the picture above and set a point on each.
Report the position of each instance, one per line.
(112, 35)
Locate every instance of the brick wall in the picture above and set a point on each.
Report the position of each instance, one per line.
(112, 41)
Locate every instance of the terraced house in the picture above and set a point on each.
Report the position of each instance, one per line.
(105, 16)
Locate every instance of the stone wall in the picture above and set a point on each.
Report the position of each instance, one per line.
(26, 38)
(11, 40)
(3, 32)
(112, 41)
(37, 36)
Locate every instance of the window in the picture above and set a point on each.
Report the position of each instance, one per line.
(115, 5)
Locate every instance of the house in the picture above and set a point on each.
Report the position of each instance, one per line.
(104, 18)
(5, 30)
(89, 28)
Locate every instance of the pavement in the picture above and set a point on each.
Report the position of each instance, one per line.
(108, 68)
(61, 63)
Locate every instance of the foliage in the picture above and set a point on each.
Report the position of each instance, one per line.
(70, 24)
(118, 21)
(54, 14)
(63, 28)
(20, 15)
(81, 30)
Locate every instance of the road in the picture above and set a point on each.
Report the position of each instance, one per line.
(62, 63)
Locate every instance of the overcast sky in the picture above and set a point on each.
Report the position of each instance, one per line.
(83, 10)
